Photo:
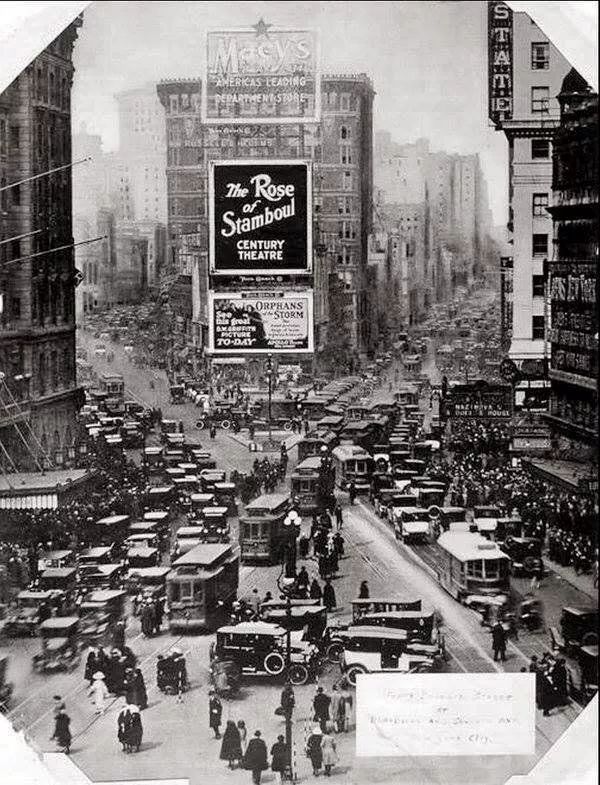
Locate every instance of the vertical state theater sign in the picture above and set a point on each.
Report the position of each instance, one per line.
(260, 217)
(277, 322)
(261, 74)
(500, 62)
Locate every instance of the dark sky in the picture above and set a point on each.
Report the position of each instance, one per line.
(427, 60)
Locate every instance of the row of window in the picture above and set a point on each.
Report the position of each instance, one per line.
(52, 88)
(10, 137)
(52, 372)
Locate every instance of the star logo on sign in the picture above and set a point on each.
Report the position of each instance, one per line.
(261, 28)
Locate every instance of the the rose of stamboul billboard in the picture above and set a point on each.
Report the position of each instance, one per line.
(260, 217)
(260, 322)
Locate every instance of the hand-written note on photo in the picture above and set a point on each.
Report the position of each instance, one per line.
(445, 714)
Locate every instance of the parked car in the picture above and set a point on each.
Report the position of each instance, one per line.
(60, 645)
(578, 627)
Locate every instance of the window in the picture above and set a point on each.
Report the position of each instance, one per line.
(540, 245)
(16, 194)
(540, 100)
(537, 328)
(540, 148)
(347, 181)
(344, 133)
(16, 249)
(540, 56)
(15, 307)
(15, 138)
(475, 568)
(345, 154)
(538, 282)
(2, 137)
(540, 203)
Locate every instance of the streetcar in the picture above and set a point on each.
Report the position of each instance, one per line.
(262, 532)
(201, 587)
(314, 442)
(305, 484)
(352, 463)
(468, 564)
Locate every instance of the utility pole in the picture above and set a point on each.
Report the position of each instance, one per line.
(270, 380)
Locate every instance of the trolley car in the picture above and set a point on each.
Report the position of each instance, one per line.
(468, 564)
(305, 485)
(262, 533)
(201, 587)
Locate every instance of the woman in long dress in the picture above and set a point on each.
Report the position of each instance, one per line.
(241, 726)
(62, 731)
(231, 748)
(313, 750)
(136, 730)
(329, 752)
(98, 692)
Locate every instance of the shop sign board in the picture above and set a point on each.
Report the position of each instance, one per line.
(260, 217)
(262, 75)
(480, 401)
(263, 322)
(500, 62)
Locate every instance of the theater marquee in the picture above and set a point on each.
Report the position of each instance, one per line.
(249, 323)
(260, 217)
(261, 74)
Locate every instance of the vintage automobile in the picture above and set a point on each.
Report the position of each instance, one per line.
(209, 478)
(215, 524)
(177, 392)
(151, 582)
(587, 687)
(304, 616)
(142, 556)
(56, 558)
(386, 498)
(98, 614)
(142, 539)
(60, 645)
(186, 538)
(258, 649)
(411, 524)
(101, 576)
(362, 637)
(6, 687)
(578, 627)
(485, 519)
(525, 555)
(354, 663)
(32, 608)
(59, 581)
(198, 502)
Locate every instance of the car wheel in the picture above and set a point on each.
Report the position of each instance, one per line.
(590, 639)
(298, 674)
(352, 673)
(274, 663)
(334, 651)
(225, 424)
(287, 426)
(200, 425)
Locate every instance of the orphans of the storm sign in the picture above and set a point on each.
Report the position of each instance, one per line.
(262, 189)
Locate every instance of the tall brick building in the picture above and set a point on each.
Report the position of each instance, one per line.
(340, 147)
(38, 393)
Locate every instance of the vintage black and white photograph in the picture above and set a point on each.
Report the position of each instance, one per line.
(299, 392)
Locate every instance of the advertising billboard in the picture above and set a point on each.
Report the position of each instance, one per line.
(479, 401)
(500, 62)
(261, 74)
(260, 217)
(250, 323)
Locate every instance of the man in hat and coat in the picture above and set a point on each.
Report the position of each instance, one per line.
(329, 600)
(215, 710)
(321, 703)
(255, 759)
(279, 757)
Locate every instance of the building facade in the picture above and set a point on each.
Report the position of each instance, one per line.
(340, 148)
(573, 272)
(526, 71)
(39, 397)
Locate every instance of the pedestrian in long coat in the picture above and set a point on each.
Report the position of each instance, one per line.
(98, 692)
(215, 710)
(123, 723)
(336, 702)
(279, 757)
(135, 731)
(363, 592)
(560, 680)
(148, 620)
(288, 700)
(231, 747)
(339, 520)
(135, 689)
(96, 661)
(241, 726)
(315, 590)
(255, 759)
(313, 749)
(62, 731)
(546, 693)
(499, 641)
(159, 612)
(329, 752)
(329, 600)
(321, 703)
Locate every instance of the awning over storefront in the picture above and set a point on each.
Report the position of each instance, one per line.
(524, 349)
(41, 501)
(566, 474)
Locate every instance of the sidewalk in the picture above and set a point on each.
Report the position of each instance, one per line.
(584, 583)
